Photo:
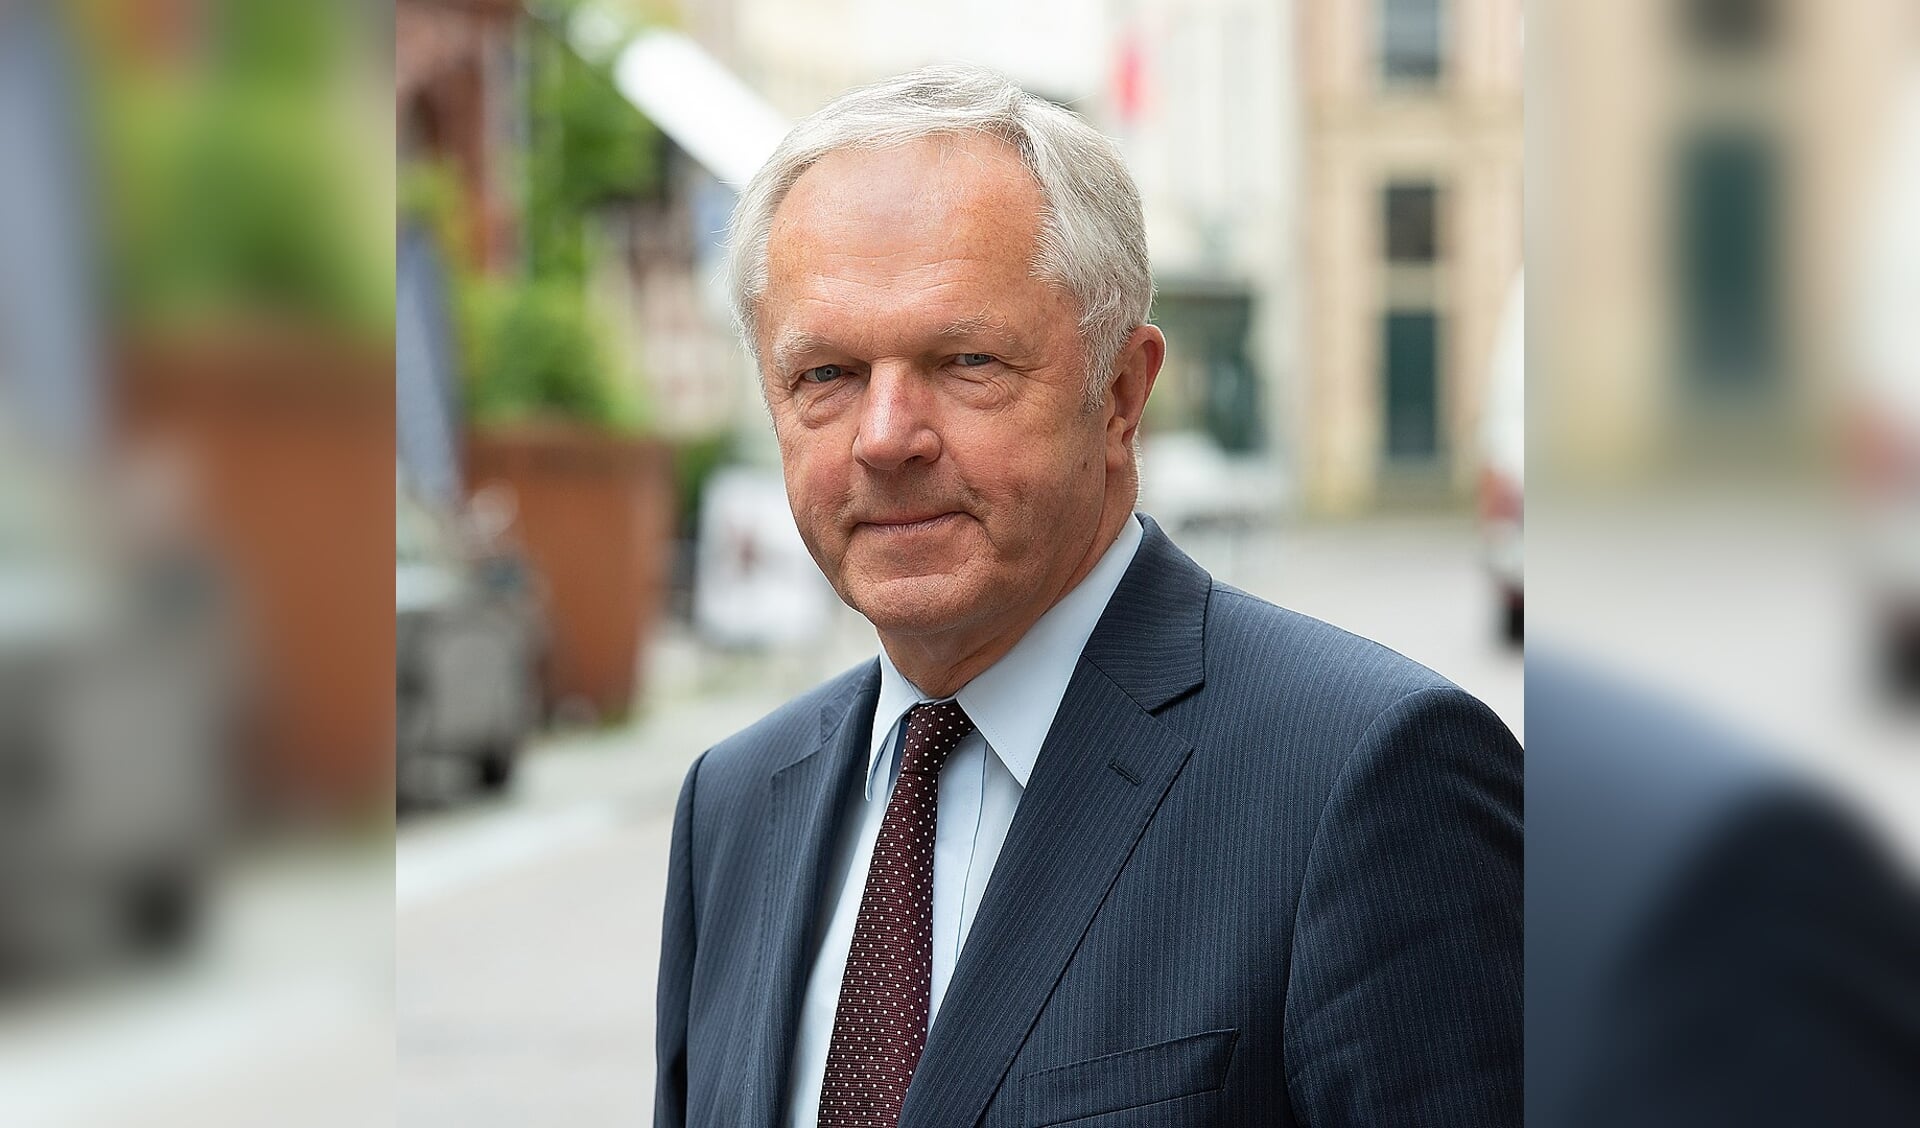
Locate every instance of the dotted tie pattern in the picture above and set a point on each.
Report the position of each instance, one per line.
(881, 1024)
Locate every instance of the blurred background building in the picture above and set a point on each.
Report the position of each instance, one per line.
(1412, 226)
(1706, 172)
(459, 89)
(1716, 187)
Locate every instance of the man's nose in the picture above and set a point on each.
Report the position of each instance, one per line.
(896, 421)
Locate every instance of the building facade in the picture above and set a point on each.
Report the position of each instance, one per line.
(459, 97)
(1701, 223)
(1411, 135)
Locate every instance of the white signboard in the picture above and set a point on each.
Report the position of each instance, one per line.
(754, 583)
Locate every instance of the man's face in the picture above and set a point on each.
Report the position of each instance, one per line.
(928, 393)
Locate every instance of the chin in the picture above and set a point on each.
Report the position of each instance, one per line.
(912, 605)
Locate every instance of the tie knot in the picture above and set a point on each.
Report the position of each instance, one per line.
(934, 730)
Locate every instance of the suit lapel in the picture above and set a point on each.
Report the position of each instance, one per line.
(804, 805)
(1105, 766)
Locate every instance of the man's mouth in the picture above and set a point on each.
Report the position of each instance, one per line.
(908, 523)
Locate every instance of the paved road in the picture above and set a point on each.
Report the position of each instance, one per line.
(527, 932)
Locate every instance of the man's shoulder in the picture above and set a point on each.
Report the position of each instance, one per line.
(1256, 645)
(1279, 678)
(790, 731)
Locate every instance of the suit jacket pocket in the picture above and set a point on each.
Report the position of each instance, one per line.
(1164, 1071)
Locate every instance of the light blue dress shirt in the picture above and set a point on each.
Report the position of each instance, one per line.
(1012, 704)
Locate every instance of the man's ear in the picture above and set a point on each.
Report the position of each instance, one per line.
(1134, 372)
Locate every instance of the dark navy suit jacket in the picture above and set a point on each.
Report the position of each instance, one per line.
(1264, 872)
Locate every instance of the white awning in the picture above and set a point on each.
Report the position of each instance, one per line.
(716, 118)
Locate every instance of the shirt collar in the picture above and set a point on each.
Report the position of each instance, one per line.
(1013, 701)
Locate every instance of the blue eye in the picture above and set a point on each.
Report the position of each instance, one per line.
(972, 360)
(823, 374)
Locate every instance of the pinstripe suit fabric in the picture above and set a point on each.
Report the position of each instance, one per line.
(1264, 872)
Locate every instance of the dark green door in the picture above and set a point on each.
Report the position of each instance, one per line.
(1410, 359)
(1728, 265)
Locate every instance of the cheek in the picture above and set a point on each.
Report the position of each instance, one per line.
(808, 477)
(816, 484)
(1047, 480)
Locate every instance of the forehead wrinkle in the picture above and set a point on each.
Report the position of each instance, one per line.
(905, 309)
(967, 176)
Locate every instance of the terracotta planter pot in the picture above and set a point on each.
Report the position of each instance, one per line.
(288, 441)
(595, 514)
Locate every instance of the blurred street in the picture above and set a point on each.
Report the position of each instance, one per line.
(1403, 252)
(527, 929)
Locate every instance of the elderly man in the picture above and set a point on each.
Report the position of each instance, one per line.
(1094, 837)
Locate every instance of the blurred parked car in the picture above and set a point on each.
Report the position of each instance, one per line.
(1884, 444)
(118, 702)
(1886, 466)
(1503, 448)
(468, 641)
(1188, 482)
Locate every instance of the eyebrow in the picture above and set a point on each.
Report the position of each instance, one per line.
(971, 326)
(792, 343)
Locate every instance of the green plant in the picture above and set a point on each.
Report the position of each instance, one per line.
(533, 351)
(236, 189)
(589, 147)
(529, 343)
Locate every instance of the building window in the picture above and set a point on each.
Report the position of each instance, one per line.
(1412, 214)
(1410, 41)
(1730, 28)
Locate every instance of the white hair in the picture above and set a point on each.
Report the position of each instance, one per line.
(1092, 239)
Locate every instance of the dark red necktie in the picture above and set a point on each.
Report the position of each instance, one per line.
(881, 1024)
